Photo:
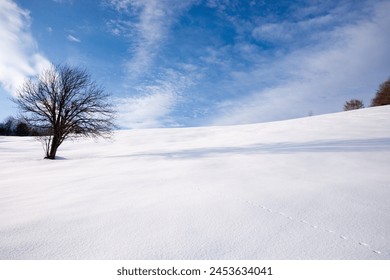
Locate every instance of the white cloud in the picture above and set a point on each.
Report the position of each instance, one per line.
(119, 27)
(145, 111)
(19, 54)
(153, 104)
(148, 31)
(286, 31)
(147, 24)
(349, 62)
(271, 31)
(72, 38)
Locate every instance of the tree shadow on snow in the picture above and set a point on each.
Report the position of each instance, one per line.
(327, 146)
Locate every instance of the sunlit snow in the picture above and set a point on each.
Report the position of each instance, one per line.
(310, 188)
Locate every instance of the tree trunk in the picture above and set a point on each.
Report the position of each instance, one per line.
(51, 154)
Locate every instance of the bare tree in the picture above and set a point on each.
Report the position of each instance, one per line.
(353, 104)
(63, 102)
(382, 96)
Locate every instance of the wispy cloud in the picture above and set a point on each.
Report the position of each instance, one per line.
(72, 38)
(153, 104)
(19, 53)
(347, 61)
(148, 110)
(148, 24)
(63, 1)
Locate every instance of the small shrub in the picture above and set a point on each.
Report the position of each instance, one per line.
(353, 104)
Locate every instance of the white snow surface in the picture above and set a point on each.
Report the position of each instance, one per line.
(310, 188)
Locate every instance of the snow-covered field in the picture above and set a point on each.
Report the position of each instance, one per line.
(311, 188)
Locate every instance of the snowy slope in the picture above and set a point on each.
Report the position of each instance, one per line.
(311, 188)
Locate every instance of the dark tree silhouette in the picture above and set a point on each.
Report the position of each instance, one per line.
(22, 129)
(382, 96)
(63, 102)
(353, 104)
(9, 126)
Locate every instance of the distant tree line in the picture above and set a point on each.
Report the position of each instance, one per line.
(382, 97)
(15, 127)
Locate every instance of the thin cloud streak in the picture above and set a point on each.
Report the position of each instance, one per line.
(72, 38)
(148, 24)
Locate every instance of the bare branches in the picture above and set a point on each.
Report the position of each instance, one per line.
(65, 103)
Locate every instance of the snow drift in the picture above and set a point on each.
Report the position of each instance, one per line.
(310, 188)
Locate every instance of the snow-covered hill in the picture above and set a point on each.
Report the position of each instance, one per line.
(311, 188)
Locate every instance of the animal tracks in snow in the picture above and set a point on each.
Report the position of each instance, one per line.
(269, 210)
(315, 227)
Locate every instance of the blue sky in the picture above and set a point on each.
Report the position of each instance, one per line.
(172, 63)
